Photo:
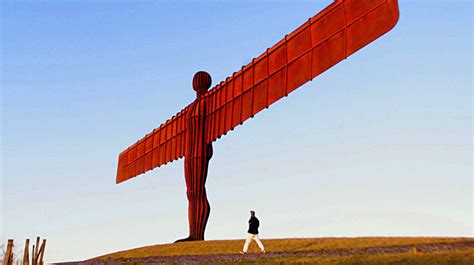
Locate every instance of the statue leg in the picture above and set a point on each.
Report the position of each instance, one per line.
(198, 213)
(198, 205)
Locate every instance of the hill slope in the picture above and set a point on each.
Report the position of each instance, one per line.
(365, 250)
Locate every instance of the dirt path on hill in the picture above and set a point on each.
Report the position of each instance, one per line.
(253, 257)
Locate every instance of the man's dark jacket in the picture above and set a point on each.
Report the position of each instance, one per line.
(253, 225)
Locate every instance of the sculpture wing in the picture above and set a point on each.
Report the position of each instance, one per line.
(157, 148)
(332, 35)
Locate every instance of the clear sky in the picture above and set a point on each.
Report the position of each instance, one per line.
(379, 145)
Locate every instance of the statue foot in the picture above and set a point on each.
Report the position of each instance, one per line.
(189, 238)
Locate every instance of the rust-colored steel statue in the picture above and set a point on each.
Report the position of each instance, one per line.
(332, 35)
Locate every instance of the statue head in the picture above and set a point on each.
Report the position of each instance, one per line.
(201, 83)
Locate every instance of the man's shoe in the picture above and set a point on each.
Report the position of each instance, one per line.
(263, 252)
(241, 252)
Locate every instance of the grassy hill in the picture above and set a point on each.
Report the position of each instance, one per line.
(364, 250)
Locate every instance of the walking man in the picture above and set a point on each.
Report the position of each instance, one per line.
(253, 234)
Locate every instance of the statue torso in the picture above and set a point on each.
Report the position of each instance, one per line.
(195, 129)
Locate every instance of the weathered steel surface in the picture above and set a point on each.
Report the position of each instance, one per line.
(157, 148)
(332, 35)
(196, 159)
(324, 40)
(338, 31)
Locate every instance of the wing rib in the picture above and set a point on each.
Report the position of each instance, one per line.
(157, 148)
(332, 35)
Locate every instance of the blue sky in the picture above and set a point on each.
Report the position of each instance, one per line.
(379, 145)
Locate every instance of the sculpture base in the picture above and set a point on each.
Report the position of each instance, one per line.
(189, 238)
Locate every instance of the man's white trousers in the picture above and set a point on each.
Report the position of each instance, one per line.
(249, 239)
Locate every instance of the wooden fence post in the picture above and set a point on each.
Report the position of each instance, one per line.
(26, 253)
(33, 255)
(8, 259)
(41, 252)
(37, 250)
(37, 253)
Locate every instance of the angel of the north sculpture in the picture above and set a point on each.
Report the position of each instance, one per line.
(341, 29)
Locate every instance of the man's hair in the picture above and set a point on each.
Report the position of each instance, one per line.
(252, 213)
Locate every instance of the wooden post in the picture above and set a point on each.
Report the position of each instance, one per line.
(33, 255)
(37, 250)
(414, 249)
(8, 259)
(43, 246)
(26, 253)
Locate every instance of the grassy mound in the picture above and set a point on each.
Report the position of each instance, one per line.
(365, 250)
